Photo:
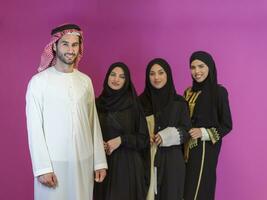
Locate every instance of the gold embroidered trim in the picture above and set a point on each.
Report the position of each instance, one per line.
(201, 169)
(214, 135)
(191, 98)
(192, 143)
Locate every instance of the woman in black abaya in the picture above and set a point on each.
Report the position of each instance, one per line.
(168, 122)
(211, 121)
(125, 138)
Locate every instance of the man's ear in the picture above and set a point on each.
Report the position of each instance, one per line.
(54, 47)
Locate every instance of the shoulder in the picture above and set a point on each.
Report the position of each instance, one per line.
(142, 99)
(222, 91)
(178, 99)
(85, 80)
(38, 80)
(84, 76)
(141, 96)
(189, 89)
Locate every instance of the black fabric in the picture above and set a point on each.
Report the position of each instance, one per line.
(169, 110)
(155, 100)
(171, 173)
(65, 27)
(208, 60)
(209, 87)
(126, 176)
(116, 100)
(208, 180)
(211, 111)
(206, 112)
(159, 102)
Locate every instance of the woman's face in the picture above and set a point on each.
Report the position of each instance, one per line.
(199, 70)
(157, 76)
(116, 78)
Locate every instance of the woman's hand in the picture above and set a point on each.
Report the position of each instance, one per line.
(112, 145)
(157, 139)
(105, 147)
(195, 133)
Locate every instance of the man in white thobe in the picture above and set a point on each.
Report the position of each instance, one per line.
(64, 134)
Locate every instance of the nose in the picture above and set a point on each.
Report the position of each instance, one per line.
(197, 70)
(116, 79)
(70, 49)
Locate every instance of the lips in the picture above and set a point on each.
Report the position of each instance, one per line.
(115, 84)
(198, 76)
(69, 56)
(157, 82)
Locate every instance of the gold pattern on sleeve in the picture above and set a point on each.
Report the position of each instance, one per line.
(213, 134)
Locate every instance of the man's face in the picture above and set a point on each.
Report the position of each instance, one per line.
(67, 49)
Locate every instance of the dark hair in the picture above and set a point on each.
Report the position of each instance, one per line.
(65, 27)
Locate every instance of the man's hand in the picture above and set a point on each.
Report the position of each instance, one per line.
(100, 175)
(49, 180)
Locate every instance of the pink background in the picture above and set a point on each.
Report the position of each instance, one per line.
(135, 31)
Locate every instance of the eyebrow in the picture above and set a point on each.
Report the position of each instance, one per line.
(158, 70)
(64, 41)
(197, 65)
(116, 73)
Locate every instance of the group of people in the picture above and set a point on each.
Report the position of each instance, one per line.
(121, 146)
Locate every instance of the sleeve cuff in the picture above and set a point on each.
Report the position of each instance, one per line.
(101, 166)
(43, 171)
(170, 136)
(214, 135)
(205, 134)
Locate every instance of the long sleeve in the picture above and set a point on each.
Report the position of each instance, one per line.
(176, 133)
(224, 118)
(99, 153)
(170, 136)
(224, 113)
(184, 123)
(37, 143)
(138, 140)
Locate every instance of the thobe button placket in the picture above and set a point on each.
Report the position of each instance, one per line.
(71, 97)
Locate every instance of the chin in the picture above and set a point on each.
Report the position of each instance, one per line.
(200, 81)
(158, 86)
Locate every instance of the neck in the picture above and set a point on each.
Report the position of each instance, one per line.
(65, 68)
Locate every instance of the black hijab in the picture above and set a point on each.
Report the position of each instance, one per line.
(211, 80)
(155, 100)
(117, 100)
(206, 108)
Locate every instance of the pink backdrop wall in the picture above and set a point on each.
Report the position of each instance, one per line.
(135, 31)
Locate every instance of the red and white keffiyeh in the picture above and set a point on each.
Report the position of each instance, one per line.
(48, 56)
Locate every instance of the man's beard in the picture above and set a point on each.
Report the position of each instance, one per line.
(64, 60)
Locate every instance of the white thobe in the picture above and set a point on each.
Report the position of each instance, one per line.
(64, 134)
